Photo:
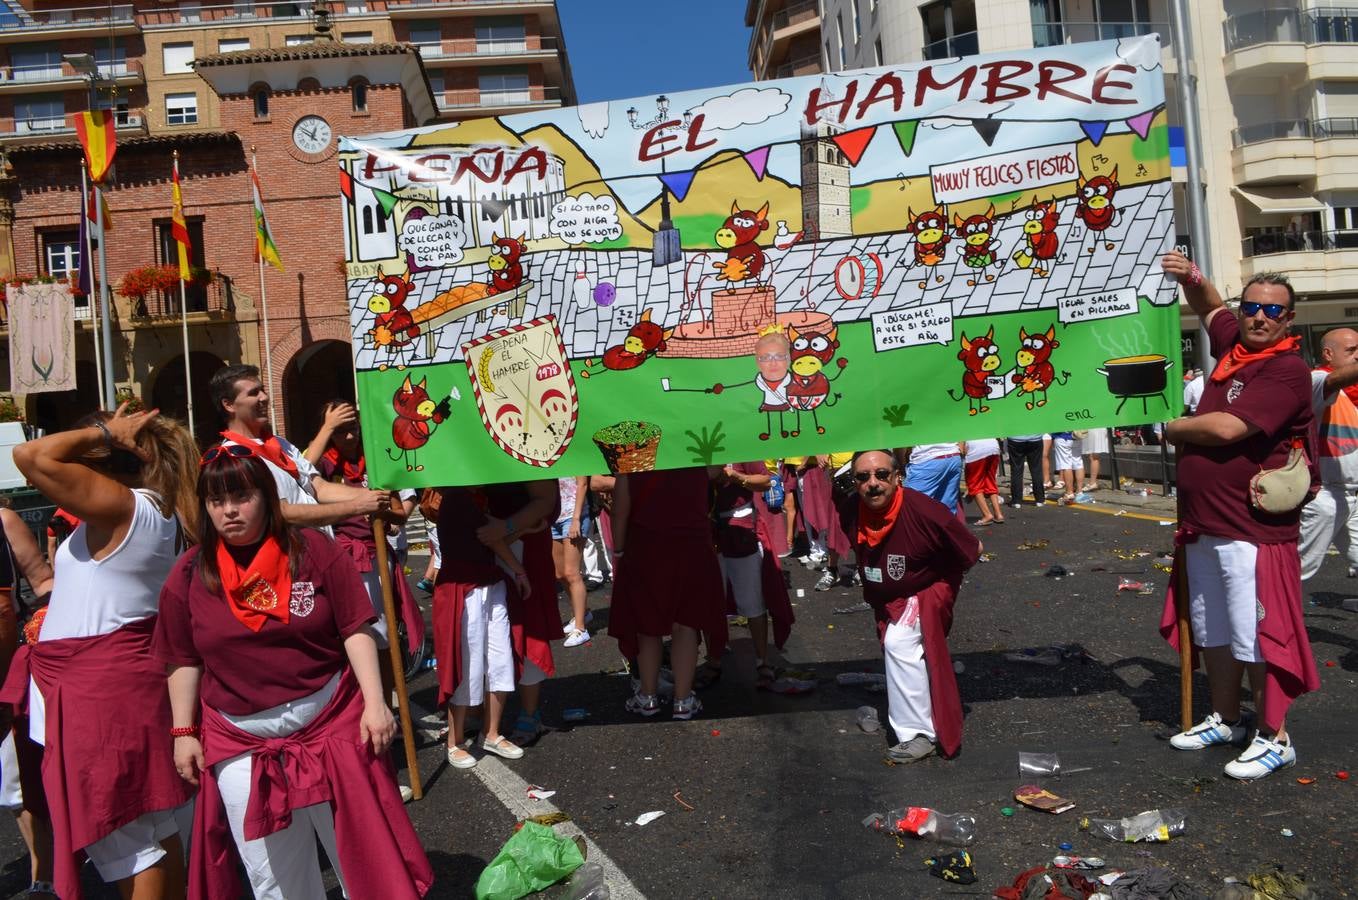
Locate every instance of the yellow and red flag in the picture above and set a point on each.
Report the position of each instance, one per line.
(179, 229)
(96, 131)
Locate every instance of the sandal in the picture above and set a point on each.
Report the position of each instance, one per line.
(707, 675)
(765, 676)
(982, 523)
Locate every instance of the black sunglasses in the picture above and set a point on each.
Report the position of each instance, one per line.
(1271, 310)
(882, 475)
(238, 451)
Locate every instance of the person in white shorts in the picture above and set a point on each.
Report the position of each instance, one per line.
(1066, 449)
(1331, 518)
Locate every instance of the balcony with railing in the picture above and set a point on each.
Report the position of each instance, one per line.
(246, 11)
(1053, 34)
(475, 50)
(1279, 151)
(964, 44)
(1315, 260)
(119, 19)
(406, 8)
(20, 79)
(38, 129)
(805, 65)
(796, 18)
(466, 101)
(1266, 41)
(213, 300)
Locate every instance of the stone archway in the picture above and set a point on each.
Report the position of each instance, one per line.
(168, 393)
(321, 371)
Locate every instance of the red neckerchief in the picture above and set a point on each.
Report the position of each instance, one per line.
(354, 473)
(1351, 391)
(1239, 357)
(874, 527)
(260, 591)
(270, 449)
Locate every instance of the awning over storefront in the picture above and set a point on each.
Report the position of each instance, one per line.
(1279, 199)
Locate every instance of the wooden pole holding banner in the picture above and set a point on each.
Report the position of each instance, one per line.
(397, 664)
(88, 265)
(1185, 630)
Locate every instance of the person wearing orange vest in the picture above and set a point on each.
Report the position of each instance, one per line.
(1332, 517)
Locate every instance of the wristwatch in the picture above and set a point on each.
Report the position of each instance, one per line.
(509, 526)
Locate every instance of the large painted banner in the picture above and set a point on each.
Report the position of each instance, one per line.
(955, 249)
(41, 337)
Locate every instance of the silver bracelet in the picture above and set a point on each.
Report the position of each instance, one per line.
(108, 436)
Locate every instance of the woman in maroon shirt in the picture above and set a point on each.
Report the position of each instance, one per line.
(267, 632)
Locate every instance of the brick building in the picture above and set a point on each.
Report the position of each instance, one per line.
(217, 83)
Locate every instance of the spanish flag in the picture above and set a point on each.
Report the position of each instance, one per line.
(265, 249)
(96, 131)
(179, 229)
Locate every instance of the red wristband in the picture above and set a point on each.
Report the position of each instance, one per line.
(186, 731)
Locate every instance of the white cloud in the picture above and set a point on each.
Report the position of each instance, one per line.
(594, 119)
(1142, 51)
(747, 106)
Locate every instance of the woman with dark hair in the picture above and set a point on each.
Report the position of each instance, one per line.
(278, 709)
(92, 692)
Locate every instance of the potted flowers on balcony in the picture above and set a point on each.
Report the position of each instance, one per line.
(138, 284)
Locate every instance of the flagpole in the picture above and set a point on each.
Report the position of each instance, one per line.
(88, 250)
(105, 329)
(184, 318)
(263, 295)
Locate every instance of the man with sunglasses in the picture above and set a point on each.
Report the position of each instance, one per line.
(912, 553)
(1244, 577)
(308, 499)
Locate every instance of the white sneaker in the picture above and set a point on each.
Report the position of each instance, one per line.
(814, 561)
(1210, 732)
(576, 638)
(407, 793)
(827, 581)
(1262, 757)
(569, 625)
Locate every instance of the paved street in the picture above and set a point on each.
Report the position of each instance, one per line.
(779, 785)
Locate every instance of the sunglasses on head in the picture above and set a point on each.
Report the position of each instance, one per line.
(882, 475)
(236, 451)
(1271, 310)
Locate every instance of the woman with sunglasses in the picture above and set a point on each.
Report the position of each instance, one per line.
(278, 709)
(95, 695)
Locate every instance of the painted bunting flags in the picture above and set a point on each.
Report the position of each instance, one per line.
(179, 229)
(96, 132)
(265, 248)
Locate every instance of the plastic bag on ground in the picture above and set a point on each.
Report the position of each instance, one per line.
(588, 883)
(534, 858)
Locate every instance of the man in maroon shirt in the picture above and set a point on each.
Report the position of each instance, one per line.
(912, 553)
(1244, 574)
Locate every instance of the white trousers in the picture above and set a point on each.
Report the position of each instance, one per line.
(434, 548)
(372, 580)
(909, 709)
(283, 865)
(1223, 603)
(487, 652)
(1330, 518)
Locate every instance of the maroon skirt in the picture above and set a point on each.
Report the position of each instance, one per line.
(663, 580)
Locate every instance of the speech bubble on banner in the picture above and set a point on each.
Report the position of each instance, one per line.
(1078, 308)
(913, 327)
(1004, 173)
(586, 219)
(434, 241)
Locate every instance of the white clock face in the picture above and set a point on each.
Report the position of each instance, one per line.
(311, 134)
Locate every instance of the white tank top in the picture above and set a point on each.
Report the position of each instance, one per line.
(92, 597)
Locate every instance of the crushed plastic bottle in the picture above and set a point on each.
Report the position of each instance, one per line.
(587, 883)
(867, 719)
(927, 824)
(1152, 826)
(1039, 764)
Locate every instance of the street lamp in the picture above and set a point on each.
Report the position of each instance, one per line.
(665, 248)
(84, 64)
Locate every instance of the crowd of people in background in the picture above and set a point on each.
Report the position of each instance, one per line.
(217, 618)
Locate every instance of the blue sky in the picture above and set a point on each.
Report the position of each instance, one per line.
(630, 48)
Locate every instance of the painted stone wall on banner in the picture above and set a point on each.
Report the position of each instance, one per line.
(955, 249)
(41, 337)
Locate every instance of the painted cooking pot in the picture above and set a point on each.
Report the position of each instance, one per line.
(1136, 376)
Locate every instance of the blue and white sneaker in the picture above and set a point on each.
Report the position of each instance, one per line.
(1210, 732)
(1262, 757)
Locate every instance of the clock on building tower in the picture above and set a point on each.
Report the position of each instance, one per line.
(312, 136)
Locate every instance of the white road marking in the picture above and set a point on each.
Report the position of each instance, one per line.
(512, 791)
